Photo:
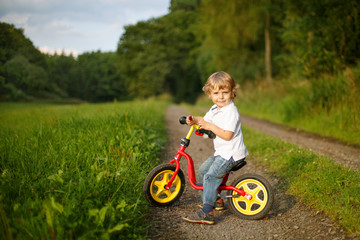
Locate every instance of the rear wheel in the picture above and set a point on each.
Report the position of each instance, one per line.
(262, 197)
(154, 186)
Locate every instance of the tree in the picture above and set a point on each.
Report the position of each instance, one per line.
(231, 36)
(23, 68)
(25, 76)
(267, 43)
(98, 78)
(62, 74)
(323, 36)
(156, 55)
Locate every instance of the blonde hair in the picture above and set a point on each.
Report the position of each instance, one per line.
(220, 80)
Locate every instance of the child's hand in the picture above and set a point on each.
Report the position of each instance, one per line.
(203, 124)
(190, 120)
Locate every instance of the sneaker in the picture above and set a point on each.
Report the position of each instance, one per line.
(201, 217)
(219, 205)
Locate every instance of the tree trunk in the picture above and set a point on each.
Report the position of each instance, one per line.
(268, 49)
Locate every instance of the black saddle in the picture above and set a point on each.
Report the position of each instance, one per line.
(238, 166)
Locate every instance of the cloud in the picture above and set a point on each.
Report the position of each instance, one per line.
(84, 25)
(16, 18)
(51, 51)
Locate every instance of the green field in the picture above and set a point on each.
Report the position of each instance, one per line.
(76, 171)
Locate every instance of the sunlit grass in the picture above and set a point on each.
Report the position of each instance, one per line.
(313, 179)
(77, 171)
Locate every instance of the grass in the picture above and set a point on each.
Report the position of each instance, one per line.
(77, 171)
(313, 179)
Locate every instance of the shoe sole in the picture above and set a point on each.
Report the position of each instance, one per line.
(198, 221)
(219, 209)
(216, 209)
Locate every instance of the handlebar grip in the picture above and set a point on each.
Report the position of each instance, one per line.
(182, 120)
(207, 132)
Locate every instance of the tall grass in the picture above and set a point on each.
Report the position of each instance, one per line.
(328, 105)
(76, 171)
(315, 180)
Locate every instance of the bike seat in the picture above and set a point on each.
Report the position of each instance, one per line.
(238, 166)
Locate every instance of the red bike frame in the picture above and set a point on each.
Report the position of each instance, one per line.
(191, 172)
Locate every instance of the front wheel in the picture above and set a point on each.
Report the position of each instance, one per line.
(262, 197)
(155, 182)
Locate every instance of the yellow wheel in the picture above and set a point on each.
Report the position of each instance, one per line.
(262, 197)
(154, 186)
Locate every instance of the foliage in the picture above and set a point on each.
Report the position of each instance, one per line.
(23, 68)
(328, 105)
(13, 42)
(76, 171)
(322, 36)
(152, 63)
(226, 44)
(99, 78)
(139, 46)
(26, 74)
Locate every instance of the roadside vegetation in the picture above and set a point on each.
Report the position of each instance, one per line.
(328, 105)
(315, 180)
(76, 172)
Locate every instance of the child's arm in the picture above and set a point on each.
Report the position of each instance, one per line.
(219, 132)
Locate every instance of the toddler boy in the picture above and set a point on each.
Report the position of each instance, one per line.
(223, 119)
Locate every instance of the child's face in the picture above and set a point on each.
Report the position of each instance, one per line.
(220, 97)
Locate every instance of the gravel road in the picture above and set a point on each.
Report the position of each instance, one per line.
(288, 218)
(341, 153)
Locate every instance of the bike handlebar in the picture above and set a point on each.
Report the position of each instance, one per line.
(182, 120)
(199, 131)
(202, 131)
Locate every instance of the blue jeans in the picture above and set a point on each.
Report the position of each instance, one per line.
(211, 174)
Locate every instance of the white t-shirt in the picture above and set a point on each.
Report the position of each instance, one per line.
(227, 118)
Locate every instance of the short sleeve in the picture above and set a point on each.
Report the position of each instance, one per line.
(230, 120)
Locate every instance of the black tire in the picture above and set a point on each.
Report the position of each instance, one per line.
(155, 182)
(262, 197)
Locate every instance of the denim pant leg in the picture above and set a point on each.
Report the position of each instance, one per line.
(213, 178)
(204, 168)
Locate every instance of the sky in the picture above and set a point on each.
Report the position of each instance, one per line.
(78, 26)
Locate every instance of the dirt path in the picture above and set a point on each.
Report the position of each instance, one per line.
(288, 219)
(341, 153)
